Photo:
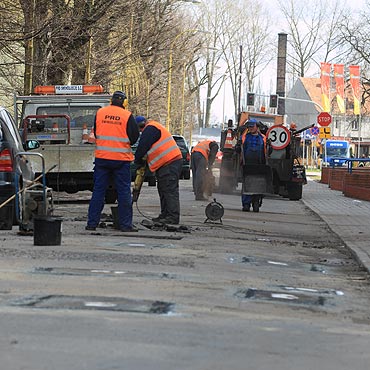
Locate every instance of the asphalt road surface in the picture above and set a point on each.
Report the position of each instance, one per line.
(269, 290)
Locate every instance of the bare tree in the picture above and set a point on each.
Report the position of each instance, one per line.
(312, 32)
(246, 28)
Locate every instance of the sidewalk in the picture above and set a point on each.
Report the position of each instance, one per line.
(349, 218)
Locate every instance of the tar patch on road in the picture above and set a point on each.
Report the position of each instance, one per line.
(94, 303)
(282, 297)
(100, 272)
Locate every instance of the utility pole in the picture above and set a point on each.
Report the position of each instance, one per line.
(281, 71)
(240, 81)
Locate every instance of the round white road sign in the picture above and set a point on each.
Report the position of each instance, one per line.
(279, 137)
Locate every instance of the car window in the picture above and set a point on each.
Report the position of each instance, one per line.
(180, 141)
(9, 132)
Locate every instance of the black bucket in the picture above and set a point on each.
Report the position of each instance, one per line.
(47, 230)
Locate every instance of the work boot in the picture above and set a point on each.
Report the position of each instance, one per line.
(246, 208)
(90, 228)
(200, 197)
(169, 221)
(131, 229)
(158, 219)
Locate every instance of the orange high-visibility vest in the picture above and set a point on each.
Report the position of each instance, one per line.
(112, 141)
(203, 147)
(163, 151)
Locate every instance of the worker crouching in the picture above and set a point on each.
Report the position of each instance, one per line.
(203, 156)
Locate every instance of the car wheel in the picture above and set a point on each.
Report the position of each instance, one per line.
(7, 216)
(186, 174)
(294, 191)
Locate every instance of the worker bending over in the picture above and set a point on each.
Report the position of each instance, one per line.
(203, 155)
(164, 158)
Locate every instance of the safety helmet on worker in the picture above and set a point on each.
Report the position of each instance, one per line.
(119, 98)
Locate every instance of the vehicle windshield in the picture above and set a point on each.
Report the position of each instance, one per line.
(79, 115)
(337, 152)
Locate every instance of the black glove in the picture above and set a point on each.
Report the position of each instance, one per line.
(140, 162)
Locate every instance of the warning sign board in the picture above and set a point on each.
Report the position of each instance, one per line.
(325, 133)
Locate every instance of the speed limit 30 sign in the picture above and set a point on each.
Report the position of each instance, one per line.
(278, 136)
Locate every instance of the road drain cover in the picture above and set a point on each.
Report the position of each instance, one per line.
(278, 296)
(94, 303)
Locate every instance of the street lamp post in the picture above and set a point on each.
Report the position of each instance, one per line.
(183, 101)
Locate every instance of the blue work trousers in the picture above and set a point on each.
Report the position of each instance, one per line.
(104, 170)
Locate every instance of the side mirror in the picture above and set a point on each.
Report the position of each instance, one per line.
(32, 144)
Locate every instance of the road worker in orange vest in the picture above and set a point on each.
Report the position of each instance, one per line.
(203, 156)
(115, 131)
(164, 158)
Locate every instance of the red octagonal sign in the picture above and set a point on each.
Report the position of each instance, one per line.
(324, 119)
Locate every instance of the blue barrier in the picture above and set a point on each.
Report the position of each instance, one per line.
(349, 162)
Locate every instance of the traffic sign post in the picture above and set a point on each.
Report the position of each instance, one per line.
(324, 119)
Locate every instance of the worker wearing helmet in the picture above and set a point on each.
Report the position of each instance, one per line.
(253, 152)
(164, 159)
(115, 131)
(203, 155)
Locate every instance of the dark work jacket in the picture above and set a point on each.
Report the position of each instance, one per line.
(254, 149)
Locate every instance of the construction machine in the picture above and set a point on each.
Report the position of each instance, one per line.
(282, 155)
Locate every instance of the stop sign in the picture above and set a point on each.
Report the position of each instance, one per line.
(324, 119)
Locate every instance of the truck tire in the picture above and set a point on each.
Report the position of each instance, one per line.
(294, 191)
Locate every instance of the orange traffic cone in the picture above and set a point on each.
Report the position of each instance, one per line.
(91, 139)
(55, 127)
(85, 134)
(229, 141)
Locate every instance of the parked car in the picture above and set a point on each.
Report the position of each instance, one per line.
(13, 167)
(183, 146)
